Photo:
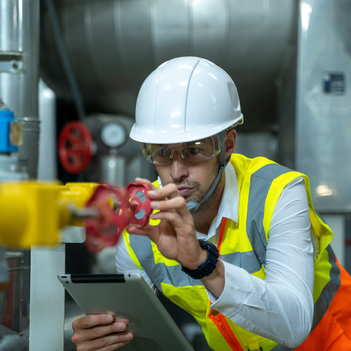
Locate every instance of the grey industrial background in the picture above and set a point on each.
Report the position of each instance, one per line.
(290, 59)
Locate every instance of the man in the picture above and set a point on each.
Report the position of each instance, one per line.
(276, 284)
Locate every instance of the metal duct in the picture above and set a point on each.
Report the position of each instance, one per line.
(47, 168)
(19, 72)
(114, 45)
(316, 139)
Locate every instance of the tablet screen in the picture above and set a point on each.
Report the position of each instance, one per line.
(133, 302)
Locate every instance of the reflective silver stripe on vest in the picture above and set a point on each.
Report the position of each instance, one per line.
(260, 184)
(158, 273)
(327, 294)
(246, 260)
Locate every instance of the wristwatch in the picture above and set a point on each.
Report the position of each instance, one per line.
(208, 266)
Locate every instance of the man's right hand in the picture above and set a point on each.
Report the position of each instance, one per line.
(100, 332)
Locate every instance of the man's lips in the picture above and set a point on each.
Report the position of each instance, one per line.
(184, 190)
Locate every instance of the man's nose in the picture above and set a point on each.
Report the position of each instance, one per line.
(178, 168)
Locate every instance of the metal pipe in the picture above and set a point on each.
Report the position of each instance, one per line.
(19, 72)
(11, 307)
(19, 77)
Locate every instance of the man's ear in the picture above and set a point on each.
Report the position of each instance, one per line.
(230, 140)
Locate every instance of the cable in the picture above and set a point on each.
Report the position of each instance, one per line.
(67, 66)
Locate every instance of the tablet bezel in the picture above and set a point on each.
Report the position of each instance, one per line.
(129, 295)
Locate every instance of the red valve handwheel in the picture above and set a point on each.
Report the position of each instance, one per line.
(115, 215)
(75, 147)
(140, 203)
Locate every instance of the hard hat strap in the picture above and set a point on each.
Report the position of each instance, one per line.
(193, 205)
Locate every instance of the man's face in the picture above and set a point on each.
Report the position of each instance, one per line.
(193, 180)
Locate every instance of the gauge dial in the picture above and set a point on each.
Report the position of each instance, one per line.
(113, 134)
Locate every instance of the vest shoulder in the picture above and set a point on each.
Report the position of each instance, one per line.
(262, 168)
(258, 166)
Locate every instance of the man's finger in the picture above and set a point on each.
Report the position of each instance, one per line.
(150, 231)
(168, 191)
(178, 222)
(107, 342)
(132, 229)
(92, 320)
(145, 181)
(174, 204)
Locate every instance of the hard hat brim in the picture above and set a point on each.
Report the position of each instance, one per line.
(144, 135)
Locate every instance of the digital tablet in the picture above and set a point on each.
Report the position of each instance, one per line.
(132, 300)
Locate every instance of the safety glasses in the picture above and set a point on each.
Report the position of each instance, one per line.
(194, 151)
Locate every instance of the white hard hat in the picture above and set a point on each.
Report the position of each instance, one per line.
(185, 99)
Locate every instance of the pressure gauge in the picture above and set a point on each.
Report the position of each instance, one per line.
(113, 134)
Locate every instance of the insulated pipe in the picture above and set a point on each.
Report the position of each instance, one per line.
(19, 72)
(114, 44)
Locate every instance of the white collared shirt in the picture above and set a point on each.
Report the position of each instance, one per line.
(228, 208)
(281, 306)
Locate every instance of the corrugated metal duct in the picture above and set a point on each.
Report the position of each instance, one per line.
(114, 45)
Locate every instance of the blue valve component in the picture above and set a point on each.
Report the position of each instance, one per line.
(6, 118)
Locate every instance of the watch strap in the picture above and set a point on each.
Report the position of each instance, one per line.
(206, 268)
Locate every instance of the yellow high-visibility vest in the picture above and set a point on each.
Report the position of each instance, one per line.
(261, 183)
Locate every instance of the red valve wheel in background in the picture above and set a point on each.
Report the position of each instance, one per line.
(140, 203)
(75, 147)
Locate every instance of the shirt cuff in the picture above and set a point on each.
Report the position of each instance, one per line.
(235, 284)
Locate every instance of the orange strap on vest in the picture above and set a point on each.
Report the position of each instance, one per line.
(217, 318)
(333, 332)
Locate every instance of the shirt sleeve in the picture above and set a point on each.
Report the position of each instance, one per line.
(281, 306)
(124, 264)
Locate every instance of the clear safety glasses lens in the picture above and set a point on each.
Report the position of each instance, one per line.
(194, 151)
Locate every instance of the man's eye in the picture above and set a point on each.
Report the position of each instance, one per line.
(191, 151)
(163, 152)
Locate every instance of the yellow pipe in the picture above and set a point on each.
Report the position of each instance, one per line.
(32, 213)
(13, 213)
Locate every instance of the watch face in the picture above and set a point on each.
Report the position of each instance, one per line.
(113, 135)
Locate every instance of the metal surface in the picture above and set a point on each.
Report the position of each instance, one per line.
(115, 165)
(11, 298)
(11, 62)
(28, 154)
(257, 144)
(113, 45)
(113, 169)
(46, 293)
(11, 341)
(4, 274)
(323, 120)
(337, 223)
(286, 107)
(19, 47)
(70, 75)
(9, 169)
(47, 164)
(47, 298)
(96, 124)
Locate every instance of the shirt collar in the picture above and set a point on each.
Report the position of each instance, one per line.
(229, 206)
